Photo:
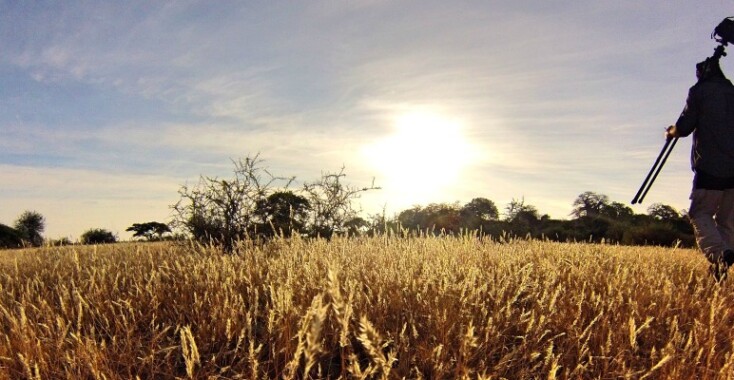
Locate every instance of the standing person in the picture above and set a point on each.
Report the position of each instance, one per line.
(709, 116)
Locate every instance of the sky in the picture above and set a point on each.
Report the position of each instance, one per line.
(108, 108)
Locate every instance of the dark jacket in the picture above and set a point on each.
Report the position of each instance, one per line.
(709, 115)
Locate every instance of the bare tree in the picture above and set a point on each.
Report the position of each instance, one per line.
(331, 203)
(222, 211)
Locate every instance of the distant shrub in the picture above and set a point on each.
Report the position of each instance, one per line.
(64, 241)
(651, 234)
(9, 237)
(591, 228)
(98, 236)
(559, 231)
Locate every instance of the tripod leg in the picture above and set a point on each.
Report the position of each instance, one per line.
(645, 184)
(665, 158)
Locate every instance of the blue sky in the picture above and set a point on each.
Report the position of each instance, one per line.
(107, 108)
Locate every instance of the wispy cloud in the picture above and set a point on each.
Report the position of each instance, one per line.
(561, 97)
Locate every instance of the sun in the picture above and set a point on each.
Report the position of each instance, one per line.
(423, 157)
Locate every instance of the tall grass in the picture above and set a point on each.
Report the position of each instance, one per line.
(371, 308)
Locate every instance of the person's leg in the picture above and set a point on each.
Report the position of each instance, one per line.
(704, 205)
(725, 218)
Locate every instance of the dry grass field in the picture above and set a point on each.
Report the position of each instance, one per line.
(369, 308)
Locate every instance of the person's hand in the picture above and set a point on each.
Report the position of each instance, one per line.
(670, 132)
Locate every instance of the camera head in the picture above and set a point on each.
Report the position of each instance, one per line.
(724, 32)
(724, 35)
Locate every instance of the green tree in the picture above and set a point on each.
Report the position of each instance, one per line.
(589, 204)
(413, 218)
(478, 211)
(150, 230)
(436, 217)
(282, 212)
(517, 210)
(663, 212)
(521, 218)
(443, 217)
(97, 236)
(617, 211)
(30, 226)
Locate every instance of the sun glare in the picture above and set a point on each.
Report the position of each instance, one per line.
(422, 158)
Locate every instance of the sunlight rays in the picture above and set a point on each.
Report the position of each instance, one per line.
(424, 155)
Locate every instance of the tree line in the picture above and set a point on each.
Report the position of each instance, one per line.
(254, 204)
(594, 218)
(27, 231)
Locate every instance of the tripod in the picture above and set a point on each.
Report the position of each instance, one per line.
(655, 170)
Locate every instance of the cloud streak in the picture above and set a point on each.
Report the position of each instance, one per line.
(561, 97)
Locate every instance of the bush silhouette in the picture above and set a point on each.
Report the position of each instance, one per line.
(9, 237)
(97, 236)
(651, 234)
